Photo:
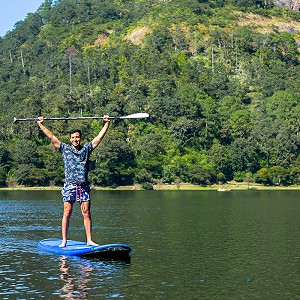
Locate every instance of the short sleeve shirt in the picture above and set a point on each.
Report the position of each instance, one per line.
(76, 162)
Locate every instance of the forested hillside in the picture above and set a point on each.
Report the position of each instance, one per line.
(219, 79)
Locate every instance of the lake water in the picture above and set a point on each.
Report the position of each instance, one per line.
(186, 245)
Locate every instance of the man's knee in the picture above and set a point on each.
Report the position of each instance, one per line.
(68, 207)
(85, 209)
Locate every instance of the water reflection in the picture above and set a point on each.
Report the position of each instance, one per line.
(78, 276)
(75, 280)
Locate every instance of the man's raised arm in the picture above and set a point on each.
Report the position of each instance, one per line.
(97, 140)
(54, 140)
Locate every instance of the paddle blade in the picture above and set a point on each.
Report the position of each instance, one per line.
(136, 116)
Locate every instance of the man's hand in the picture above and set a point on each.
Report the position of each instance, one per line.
(106, 119)
(41, 120)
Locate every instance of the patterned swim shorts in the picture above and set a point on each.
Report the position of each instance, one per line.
(72, 192)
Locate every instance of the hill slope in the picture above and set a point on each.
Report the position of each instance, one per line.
(219, 79)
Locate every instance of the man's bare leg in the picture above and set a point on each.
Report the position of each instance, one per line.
(68, 208)
(87, 220)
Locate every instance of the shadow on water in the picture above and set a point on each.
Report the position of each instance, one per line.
(109, 256)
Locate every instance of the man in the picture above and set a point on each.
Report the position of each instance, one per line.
(76, 186)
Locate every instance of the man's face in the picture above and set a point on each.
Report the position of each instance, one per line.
(75, 139)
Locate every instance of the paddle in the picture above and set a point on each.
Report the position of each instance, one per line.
(132, 116)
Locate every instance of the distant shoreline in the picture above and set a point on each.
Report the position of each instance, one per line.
(231, 186)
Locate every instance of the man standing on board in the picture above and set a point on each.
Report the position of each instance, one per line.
(76, 186)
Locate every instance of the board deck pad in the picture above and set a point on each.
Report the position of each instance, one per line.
(76, 248)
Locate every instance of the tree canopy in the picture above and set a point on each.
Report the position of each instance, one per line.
(218, 78)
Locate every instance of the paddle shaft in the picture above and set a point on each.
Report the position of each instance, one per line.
(133, 116)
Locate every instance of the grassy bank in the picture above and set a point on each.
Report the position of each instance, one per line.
(231, 186)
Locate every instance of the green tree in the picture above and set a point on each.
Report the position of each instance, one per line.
(219, 156)
(279, 175)
(240, 124)
(295, 175)
(263, 176)
(191, 166)
(244, 155)
(113, 162)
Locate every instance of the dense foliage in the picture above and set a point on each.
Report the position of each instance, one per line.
(222, 93)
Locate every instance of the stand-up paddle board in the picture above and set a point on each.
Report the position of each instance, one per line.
(75, 248)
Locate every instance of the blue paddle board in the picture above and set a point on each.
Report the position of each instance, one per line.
(76, 248)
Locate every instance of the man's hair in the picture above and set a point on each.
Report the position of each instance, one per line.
(75, 130)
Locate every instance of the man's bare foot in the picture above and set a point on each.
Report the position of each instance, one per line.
(91, 243)
(62, 245)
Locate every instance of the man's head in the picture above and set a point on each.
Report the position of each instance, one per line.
(75, 138)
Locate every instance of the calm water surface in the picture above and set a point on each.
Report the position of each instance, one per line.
(186, 245)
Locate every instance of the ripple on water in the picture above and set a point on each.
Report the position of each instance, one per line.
(197, 244)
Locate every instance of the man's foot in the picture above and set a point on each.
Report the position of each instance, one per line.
(62, 245)
(91, 243)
